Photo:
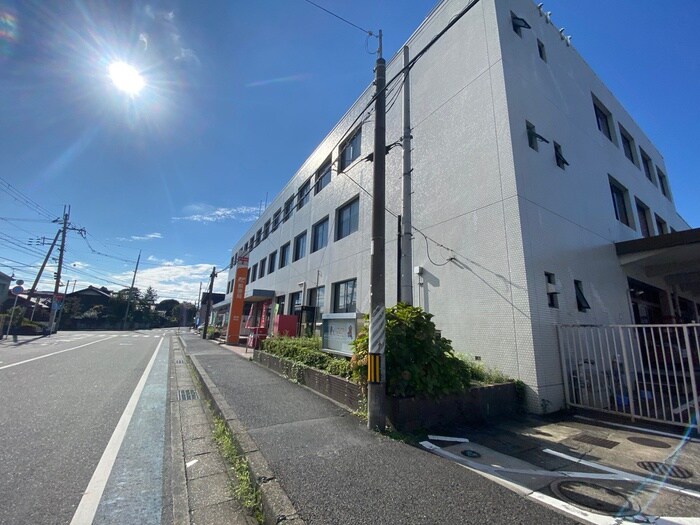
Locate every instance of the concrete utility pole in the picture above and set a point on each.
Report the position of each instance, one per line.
(131, 291)
(376, 371)
(406, 226)
(41, 271)
(61, 250)
(208, 311)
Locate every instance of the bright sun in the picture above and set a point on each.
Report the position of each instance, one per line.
(126, 78)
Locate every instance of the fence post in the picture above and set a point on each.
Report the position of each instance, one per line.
(691, 366)
(562, 361)
(627, 373)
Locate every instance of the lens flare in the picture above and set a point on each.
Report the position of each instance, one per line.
(126, 78)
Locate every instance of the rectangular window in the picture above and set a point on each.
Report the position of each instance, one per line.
(531, 136)
(661, 226)
(559, 157)
(263, 266)
(266, 229)
(294, 302)
(284, 255)
(323, 177)
(252, 242)
(344, 296)
(247, 279)
(319, 235)
(602, 117)
(288, 208)
(518, 24)
(663, 183)
(347, 219)
(647, 165)
(258, 236)
(541, 50)
(350, 150)
(299, 246)
(272, 262)
(245, 247)
(581, 301)
(303, 194)
(320, 299)
(280, 304)
(643, 216)
(619, 197)
(628, 146)
(552, 293)
(253, 273)
(276, 219)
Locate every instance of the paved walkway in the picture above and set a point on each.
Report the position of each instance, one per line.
(336, 471)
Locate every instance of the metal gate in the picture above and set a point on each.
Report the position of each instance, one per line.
(648, 372)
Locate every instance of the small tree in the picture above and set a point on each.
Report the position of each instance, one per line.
(418, 360)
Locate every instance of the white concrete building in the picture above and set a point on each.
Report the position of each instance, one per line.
(526, 173)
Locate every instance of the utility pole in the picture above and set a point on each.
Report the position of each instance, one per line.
(211, 289)
(406, 274)
(131, 291)
(376, 373)
(41, 271)
(60, 314)
(61, 250)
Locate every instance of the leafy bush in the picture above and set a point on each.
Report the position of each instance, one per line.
(307, 351)
(418, 360)
(482, 374)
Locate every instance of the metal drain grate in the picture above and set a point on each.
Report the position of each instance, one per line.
(187, 395)
(596, 441)
(179, 362)
(662, 469)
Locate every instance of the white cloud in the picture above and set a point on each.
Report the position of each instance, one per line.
(165, 262)
(174, 280)
(204, 213)
(79, 265)
(145, 237)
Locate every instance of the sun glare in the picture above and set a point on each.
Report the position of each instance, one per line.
(126, 78)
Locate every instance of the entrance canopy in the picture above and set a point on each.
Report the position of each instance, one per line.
(675, 257)
(256, 295)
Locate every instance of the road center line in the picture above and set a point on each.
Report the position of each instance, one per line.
(87, 508)
(55, 353)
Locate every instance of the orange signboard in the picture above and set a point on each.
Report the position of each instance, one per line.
(236, 313)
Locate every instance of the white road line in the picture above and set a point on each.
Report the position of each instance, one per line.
(52, 353)
(640, 429)
(87, 508)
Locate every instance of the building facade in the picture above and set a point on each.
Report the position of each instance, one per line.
(526, 172)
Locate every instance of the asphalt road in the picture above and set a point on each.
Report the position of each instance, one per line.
(63, 397)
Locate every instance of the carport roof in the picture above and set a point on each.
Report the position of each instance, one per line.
(674, 256)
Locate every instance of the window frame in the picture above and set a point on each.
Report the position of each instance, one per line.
(620, 198)
(253, 273)
(629, 147)
(559, 156)
(647, 166)
(288, 208)
(324, 173)
(661, 225)
(552, 297)
(663, 183)
(304, 194)
(603, 114)
(271, 262)
(262, 267)
(337, 295)
(541, 50)
(581, 302)
(299, 251)
(316, 246)
(276, 219)
(284, 255)
(354, 144)
(643, 213)
(339, 222)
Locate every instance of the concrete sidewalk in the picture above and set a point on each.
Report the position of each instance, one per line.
(334, 470)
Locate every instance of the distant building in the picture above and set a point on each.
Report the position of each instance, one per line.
(5, 281)
(216, 298)
(537, 201)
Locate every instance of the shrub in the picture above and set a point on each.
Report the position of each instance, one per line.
(307, 351)
(482, 374)
(418, 360)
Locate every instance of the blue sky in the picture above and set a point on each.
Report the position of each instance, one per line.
(238, 93)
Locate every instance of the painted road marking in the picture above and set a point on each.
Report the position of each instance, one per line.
(52, 353)
(685, 437)
(87, 508)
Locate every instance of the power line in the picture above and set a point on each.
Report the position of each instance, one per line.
(24, 199)
(370, 33)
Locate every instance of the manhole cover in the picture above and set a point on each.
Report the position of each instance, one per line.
(471, 453)
(187, 395)
(662, 469)
(596, 441)
(594, 497)
(647, 442)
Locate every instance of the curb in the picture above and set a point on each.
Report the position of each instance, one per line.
(178, 482)
(277, 506)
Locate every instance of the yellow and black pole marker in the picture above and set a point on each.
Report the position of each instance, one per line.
(374, 368)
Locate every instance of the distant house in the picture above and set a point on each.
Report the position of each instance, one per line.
(5, 281)
(90, 297)
(215, 299)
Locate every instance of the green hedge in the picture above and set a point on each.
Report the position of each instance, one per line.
(307, 351)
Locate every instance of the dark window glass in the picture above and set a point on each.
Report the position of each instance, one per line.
(276, 219)
(253, 273)
(299, 246)
(601, 117)
(618, 197)
(303, 194)
(348, 219)
(541, 50)
(531, 136)
(559, 157)
(661, 227)
(627, 145)
(663, 182)
(294, 302)
(581, 301)
(344, 296)
(263, 265)
(284, 255)
(350, 150)
(319, 235)
(323, 177)
(288, 209)
(646, 162)
(272, 260)
(552, 294)
(642, 213)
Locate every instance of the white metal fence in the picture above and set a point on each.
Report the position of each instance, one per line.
(645, 371)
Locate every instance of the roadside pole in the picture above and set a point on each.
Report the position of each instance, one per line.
(208, 311)
(131, 291)
(376, 372)
(61, 250)
(406, 273)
